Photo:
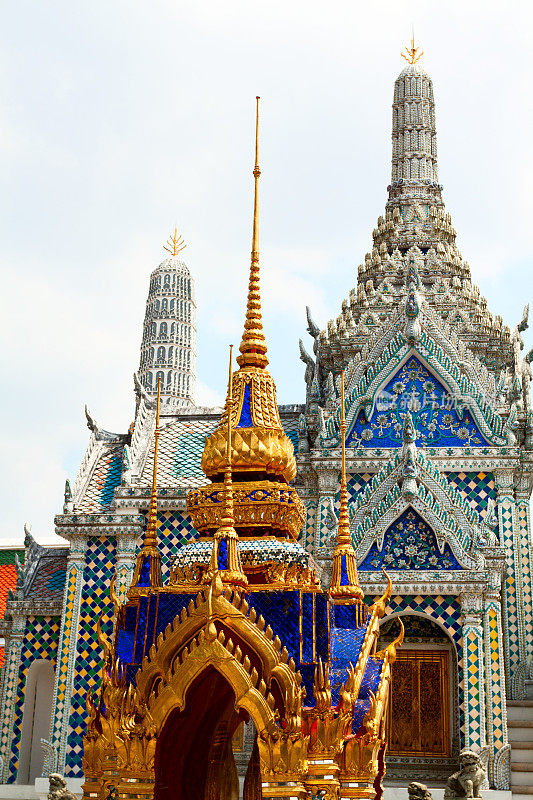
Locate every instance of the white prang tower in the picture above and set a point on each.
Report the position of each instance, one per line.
(168, 348)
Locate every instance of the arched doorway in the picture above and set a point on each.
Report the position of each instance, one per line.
(422, 719)
(36, 719)
(203, 766)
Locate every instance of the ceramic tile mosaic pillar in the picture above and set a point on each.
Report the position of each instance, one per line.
(522, 495)
(328, 480)
(9, 691)
(473, 665)
(495, 694)
(67, 650)
(513, 605)
(126, 551)
(98, 571)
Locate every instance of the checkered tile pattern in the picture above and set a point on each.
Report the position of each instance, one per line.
(495, 678)
(476, 487)
(174, 530)
(474, 686)
(41, 639)
(355, 484)
(105, 477)
(100, 566)
(307, 535)
(510, 604)
(68, 636)
(445, 610)
(522, 514)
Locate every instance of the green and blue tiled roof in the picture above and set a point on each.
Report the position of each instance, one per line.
(181, 445)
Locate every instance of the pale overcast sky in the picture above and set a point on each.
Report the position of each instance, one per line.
(122, 119)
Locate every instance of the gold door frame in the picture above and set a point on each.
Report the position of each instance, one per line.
(441, 657)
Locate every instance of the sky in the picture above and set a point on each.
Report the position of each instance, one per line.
(120, 120)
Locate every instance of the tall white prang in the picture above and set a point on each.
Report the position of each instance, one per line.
(168, 348)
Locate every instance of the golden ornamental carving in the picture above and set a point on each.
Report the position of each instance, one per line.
(260, 504)
(257, 449)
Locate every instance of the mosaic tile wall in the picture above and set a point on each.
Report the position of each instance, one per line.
(476, 487)
(174, 530)
(41, 639)
(355, 484)
(100, 565)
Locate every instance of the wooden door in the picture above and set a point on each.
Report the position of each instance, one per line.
(418, 716)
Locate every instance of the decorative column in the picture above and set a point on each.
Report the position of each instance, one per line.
(513, 604)
(495, 694)
(67, 651)
(473, 669)
(126, 553)
(523, 523)
(326, 525)
(9, 690)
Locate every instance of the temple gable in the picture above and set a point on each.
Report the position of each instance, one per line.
(440, 418)
(409, 543)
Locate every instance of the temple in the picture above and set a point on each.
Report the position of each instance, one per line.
(240, 579)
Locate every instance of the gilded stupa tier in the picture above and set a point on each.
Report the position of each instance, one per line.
(259, 443)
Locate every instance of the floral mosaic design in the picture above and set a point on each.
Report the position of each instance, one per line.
(440, 419)
(409, 543)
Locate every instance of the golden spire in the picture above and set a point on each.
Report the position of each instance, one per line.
(174, 244)
(253, 345)
(344, 583)
(231, 570)
(147, 573)
(410, 54)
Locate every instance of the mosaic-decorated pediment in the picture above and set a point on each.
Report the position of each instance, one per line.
(409, 543)
(441, 419)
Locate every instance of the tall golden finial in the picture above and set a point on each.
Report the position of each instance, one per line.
(175, 244)
(410, 54)
(147, 573)
(225, 553)
(344, 582)
(253, 345)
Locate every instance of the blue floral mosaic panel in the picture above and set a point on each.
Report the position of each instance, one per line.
(41, 639)
(439, 418)
(409, 543)
(95, 603)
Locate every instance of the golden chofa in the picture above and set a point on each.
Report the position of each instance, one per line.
(259, 443)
